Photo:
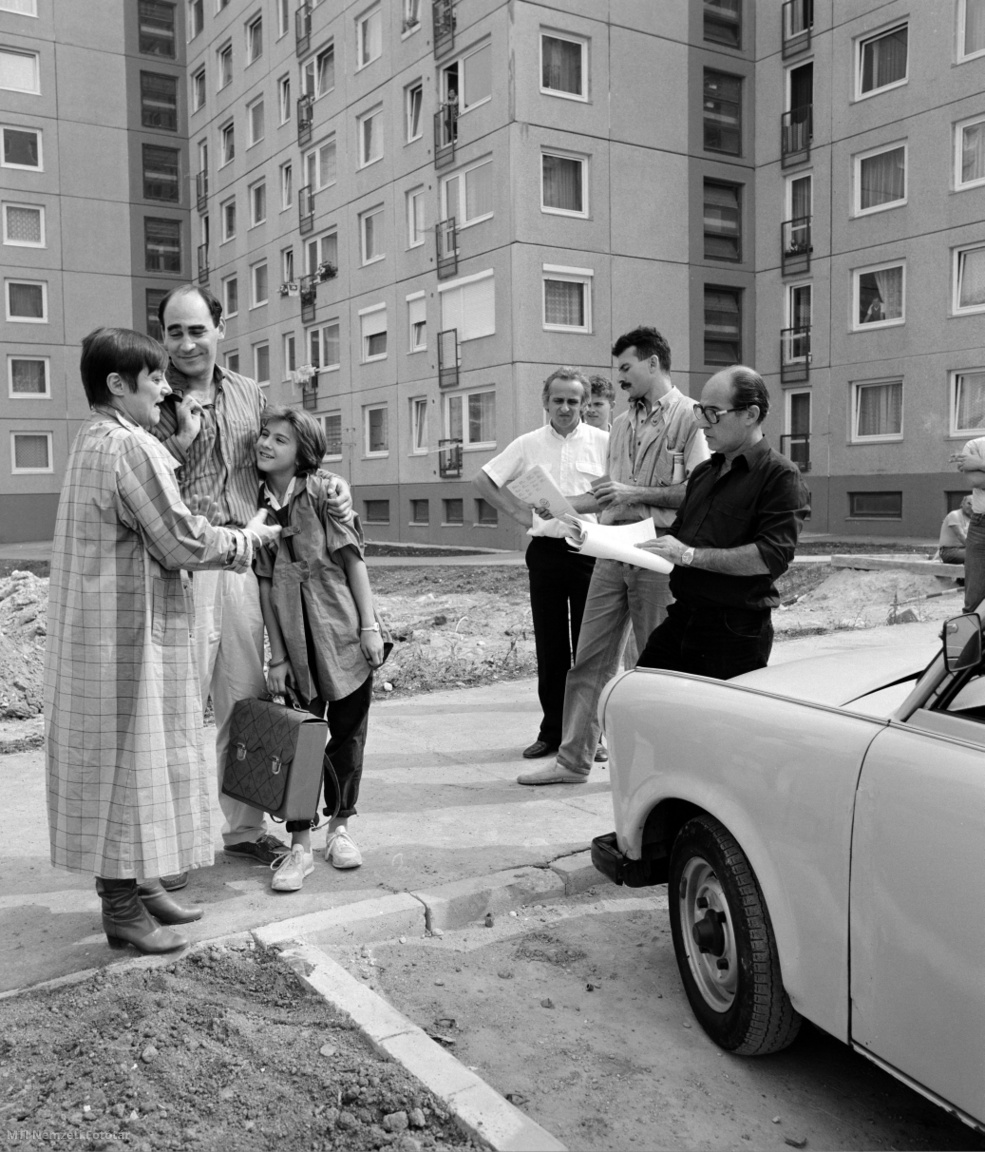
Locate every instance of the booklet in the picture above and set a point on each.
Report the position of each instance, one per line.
(536, 487)
(617, 542)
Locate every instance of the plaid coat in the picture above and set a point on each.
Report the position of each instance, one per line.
(129, 794)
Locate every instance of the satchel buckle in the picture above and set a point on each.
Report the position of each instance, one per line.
(275, 764)
(240, 751)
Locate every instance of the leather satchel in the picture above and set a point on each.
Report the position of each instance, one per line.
(275, 756)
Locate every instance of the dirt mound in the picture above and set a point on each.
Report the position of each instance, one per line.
(23, 629)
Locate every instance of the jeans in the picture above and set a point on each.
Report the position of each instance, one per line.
(716, 642)
(974, 563)
(559, 579)
(952, 555)
(620, 596)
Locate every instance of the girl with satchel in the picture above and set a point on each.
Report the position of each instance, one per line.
(325, 639)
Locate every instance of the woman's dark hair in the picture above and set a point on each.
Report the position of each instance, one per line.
(213, 302)
(120, 350)
(748, 389)
(647, 342)
(312, 444)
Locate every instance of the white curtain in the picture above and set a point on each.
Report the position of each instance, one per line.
(974, 26)
(889, 283)
(564, 303)
(482, 418)
(973, 152)
(880, 409)
(562, 183)
(561, 65)
(882, 178)
(971, 278)
(971, 400)
(884, 60)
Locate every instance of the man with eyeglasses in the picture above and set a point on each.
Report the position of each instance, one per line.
(734, 534)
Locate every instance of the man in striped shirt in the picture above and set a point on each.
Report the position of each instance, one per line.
(210, 424)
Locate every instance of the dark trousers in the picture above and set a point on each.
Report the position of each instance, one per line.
(716, 642)
(559, 579)
(348, 721)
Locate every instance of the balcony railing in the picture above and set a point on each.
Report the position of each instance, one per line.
(306, 209)
(448, 358)
(309, 297)
(446, 242)
(796, 133)
(445, 134)
(795, 246)
(202, 190)
(306, 113)
(203, 263)
(309, 394)
(795, 354)
(449, 459)
(302, 27)
(796, 446)
(798, 19)
(443, 16)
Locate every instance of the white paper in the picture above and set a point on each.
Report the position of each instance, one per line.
(536, 488)
(618, 542)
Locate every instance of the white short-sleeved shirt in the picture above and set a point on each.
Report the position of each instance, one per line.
(975, 449)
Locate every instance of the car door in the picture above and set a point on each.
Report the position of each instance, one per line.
(917, 913)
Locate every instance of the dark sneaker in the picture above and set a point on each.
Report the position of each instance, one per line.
(174, 883)
(265, 850)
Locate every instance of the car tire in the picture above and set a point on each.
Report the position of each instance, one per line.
(724, 943)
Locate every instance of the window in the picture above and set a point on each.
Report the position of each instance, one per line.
(254, 119)
(797, 338)
(23, 7)
(377, 511)
(319, 72)
(880, 179)
(875, 505)
(877, 410)
(969, 279)
(289, 354)
(21, 148)
(27, 301)
(286, 186)
(567, 298)
(254, 39)
(412, 16)
(369, 129)
(453, 511)
(224, 66)
(198, 89)
(471, 418)
(468, 195)
(227, 214)
(322, 250)
(319, 165)
(469, 306)
(417, 318)
(325, 346)
(415, 217)
(722, 221)
(30, 452)
(467, 82)
(332, 423)
(152, 301)
(369, 37)
(258, 204)
(969, 153)
(162, 245)
(563, 66)
(196, 17)
(159, 101)
(371, 235)
(375, 427)
(20, 71)
(161, 173)
(227, 143)
(882, 61)
(413, 102)
(971, 28)
(261, 363)
(230, 360)
(283, 17)
(968, 401)
(419, 425)
(878, 295)
(723, 326)
(287, 264)
(485, 514)
(155, 23)
(372, 327)
(723, 22)
(230, 296)
(420, 512)
(23, 225)
(564, 184)
(28, 377)
(722, 113)
(258, 278)
(284, 98)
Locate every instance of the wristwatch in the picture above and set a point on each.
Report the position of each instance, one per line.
(687, 556)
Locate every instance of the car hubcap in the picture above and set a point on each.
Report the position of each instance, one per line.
(706, 928)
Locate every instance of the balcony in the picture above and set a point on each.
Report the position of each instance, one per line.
(306, 113)
(309, 394)
(795, 354)
(202, 190)
(795, 246)
(449, 459)
(796, 133)
(445, 134)
(798, 19)
(309, 297)
(446, 242)
(302, 27)
(448, 358)
(203, 263)
(306, 209)
(796, 446)
(443, 17)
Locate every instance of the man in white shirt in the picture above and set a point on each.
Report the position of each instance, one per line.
(574, 455)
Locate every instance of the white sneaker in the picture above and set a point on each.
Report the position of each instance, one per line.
(341, 850)
(291, 868)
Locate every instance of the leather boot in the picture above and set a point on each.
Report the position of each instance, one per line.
(164, 908)
(127, 921)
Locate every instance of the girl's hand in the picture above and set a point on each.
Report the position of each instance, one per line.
(371, 644)
(281, 678)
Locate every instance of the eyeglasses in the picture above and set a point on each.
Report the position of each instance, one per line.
(711, 415)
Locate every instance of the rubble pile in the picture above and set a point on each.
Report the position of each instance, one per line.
(23, 631)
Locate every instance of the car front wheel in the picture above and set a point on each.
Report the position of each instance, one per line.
(724, 943)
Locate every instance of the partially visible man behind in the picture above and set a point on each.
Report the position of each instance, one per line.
(598, 407)
(734, 534)
(954, 533)
(574, 454)
(210, 424)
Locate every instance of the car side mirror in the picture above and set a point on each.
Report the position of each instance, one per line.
(962, 637)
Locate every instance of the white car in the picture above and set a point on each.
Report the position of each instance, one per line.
(821, 828)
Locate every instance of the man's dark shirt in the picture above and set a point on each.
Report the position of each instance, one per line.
(760, 500)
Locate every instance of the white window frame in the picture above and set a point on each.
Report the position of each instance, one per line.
(461, 221)
(195, 15)
(857, 166)
(788, 409)
(956, 429)
(583, 276)
(312, 160)
(856, 325)
(312, 71)
(962, 22)
(284, 106)
(257, 348)
(582, 159)
(956, 308)
(12, 392)
(287, 269)
(318, 334)
(959, 184)
(461, 64)
(286, 186)
(223, 52)
(419, 444)
(225, 232)
(259, 186)
(316, 250)
(789, 353)
(22, 167)
(39, 208)
(227, 137)
(230, 357)
(43, 318)
(409, 134)
(251, 108)
(36, 57)
(283, 17)
(31, 9)
(883, 438)
(14, 470)
(374, 113)
(362, 23)
(379, 454)
(364, 357)
(572, 39)
(256, 301)
(413, 298)
(869, 38)
(226, 310)
(788, 193)
(252, 55)
(411, 21)
(461, 282)
(416, 228)
(378, 210)
(198, 83)
(337, 414)
(289, 352)
(463, 399)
